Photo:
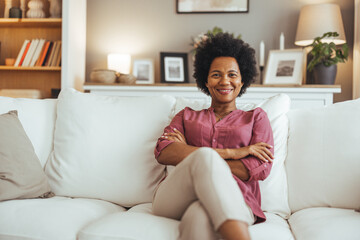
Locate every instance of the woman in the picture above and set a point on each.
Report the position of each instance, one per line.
(220, 153)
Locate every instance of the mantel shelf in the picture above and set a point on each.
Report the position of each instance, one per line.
(193, 87)
(302, 96)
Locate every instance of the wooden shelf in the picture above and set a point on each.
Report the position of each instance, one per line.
(31, 22)
(13, 32)
(11, 68)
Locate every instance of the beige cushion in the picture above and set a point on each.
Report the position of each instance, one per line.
(21, 174)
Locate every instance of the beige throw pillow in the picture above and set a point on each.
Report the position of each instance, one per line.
(21, 174)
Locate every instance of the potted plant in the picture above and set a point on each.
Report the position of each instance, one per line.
(324, 57)
(202, 37)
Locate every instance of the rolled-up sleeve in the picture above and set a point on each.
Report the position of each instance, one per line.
(176, 122)
(262, 132)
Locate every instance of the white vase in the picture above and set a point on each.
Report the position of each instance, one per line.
(35, 9)
(55, 8)
(23, 7)
(8, 5)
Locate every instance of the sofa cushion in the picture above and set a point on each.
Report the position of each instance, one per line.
(323, 164)
(56, 218)
(325, 223)
(38, 119)
(131, 225)
(21, 175)
(275, 228)
(103, 146)
(139, 223)
(274, 194)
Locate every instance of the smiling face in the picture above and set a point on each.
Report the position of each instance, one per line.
(224, 80)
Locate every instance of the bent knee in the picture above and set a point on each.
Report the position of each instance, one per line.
(208, 157)
(206, 154)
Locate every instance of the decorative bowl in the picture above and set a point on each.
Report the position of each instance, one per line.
(103, 76)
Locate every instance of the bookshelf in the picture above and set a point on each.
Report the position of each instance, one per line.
(13, 32)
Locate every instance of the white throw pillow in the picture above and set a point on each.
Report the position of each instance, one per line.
(323, 162)
(274, 193)
(104, 146)
(274, 189)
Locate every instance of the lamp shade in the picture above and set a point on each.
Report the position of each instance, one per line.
(119, 62)
(317, 19)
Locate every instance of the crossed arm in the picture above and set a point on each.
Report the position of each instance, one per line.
(179, 149)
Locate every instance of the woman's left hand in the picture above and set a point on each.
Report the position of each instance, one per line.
(175, 136)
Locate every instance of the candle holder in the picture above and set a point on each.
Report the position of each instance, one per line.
(261, 74)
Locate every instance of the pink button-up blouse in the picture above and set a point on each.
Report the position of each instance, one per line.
(238, 129)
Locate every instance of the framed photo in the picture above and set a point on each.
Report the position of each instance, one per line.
(285, 67)
(212, 6)
(174, 67)
(143, 70)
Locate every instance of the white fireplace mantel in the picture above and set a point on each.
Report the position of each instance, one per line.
(302, 96)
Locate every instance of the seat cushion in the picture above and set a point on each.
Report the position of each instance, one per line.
(139, 223)
(136, 224)
(322, 164)
(38, 119)
(274, 228)
(325, 224)
(56, 218)
(104, 146)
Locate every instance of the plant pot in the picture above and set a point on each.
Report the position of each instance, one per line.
(324, 75)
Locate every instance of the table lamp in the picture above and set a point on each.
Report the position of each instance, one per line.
(121, 64)
(314, 21)
(317, 19)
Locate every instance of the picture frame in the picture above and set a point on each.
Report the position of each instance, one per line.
(211, 6)
(143, 70)
(174, 67)
(285, 67)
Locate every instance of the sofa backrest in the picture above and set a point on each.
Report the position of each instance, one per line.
(323, 161)
(38, 119)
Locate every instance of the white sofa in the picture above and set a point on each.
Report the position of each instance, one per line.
(97, 153)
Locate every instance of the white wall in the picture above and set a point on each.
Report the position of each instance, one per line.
(356, 86)
(73, 44)
(144, 28)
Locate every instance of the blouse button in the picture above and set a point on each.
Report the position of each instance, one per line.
(214, 140)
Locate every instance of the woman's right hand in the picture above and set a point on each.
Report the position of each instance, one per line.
(261, 150)
(175, 136)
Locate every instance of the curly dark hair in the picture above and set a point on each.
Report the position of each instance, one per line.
(224, 45)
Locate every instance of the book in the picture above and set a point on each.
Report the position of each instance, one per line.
(56, 53)
(30, 53)
(58, 59)
(21, 53)
(24, 54)
(52, 53)
(47, 56)
(43, 54)
(37, 52)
